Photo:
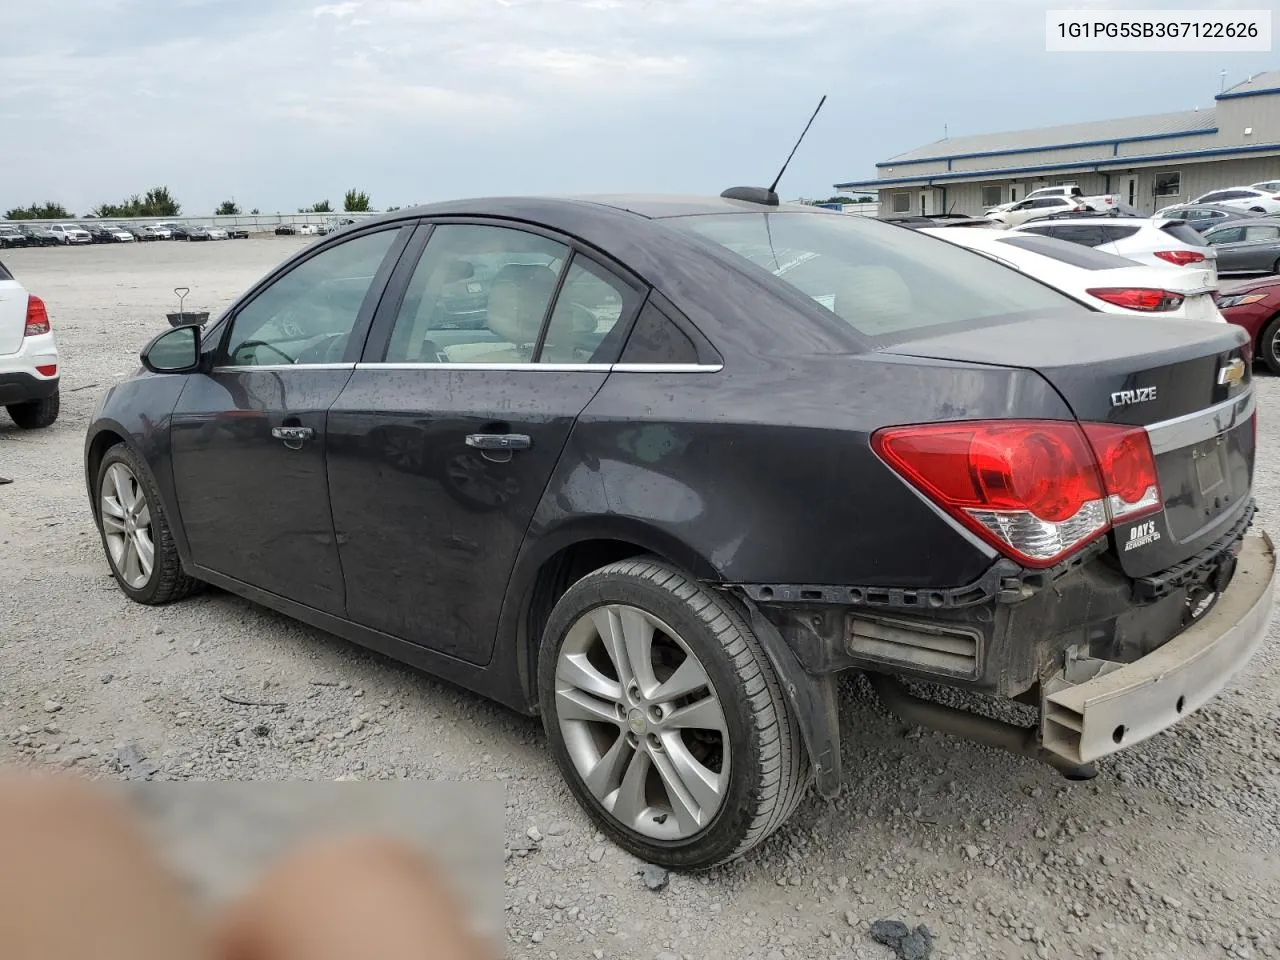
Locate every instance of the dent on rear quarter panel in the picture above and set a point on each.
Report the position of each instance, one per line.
(766, 474)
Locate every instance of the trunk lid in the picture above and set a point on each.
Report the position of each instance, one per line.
(13, 314)
(1189, 384)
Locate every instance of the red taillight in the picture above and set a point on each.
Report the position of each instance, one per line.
(1139, 298)
(1128, 468)
(47, 370)
(37, 318)
(1036, 490)
(1180, 257)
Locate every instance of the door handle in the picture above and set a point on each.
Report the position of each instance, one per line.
(499, 441)
(293, 437)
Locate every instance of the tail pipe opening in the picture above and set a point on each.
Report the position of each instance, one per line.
(970, 726)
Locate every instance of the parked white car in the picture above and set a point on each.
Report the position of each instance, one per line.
(1033, 207)
(68, 233)
(1266, 186)
(1102, 201)
(217, 233)
(1244, 198)
(308, 230)
(1103, 281)
(1149, 240)
(154, 231)
(28, 357)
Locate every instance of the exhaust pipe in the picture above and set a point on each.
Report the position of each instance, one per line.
(970, 726)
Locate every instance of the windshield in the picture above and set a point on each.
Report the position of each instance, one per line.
(882, 280)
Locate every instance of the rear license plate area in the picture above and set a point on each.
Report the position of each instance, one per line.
(1210, 470)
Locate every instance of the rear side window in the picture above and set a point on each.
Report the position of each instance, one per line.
(1182, 232)
(656, 339)
(1261, 233)
(883, 281)
(1074, 254)
(1111, 233)
(4, 273)
(1086, 234)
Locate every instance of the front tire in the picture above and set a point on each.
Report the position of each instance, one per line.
(135, 530)
(666, 718)
(36, 414)
(1269, 344)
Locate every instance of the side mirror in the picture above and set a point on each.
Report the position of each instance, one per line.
(174, 351)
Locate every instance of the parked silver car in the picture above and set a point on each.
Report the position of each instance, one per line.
(1249, 247)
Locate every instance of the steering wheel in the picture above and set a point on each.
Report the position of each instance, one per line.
(262, 343)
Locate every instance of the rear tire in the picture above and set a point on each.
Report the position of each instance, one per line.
(135, 531)
(673, 733)
(36, 414)
(1268, 345)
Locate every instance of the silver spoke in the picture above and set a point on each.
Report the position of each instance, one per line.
(637, 635)
(122, 480)
(610, 630)
(111, 507)
(683, 804)
(606, 776)
(146, 552)
(141, 513)
(703, 784)
(629, 800)
(578, 705)
(577, 671)
(705, 714)
(688, 677)
(112, 524)
(129, 569)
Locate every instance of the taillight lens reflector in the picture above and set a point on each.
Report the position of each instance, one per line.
(1036, 490)
(1180, 257)
(37, 318)
(1139, 298)
(47, 370)
(1128, 469)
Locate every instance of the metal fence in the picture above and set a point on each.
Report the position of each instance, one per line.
(253, 222)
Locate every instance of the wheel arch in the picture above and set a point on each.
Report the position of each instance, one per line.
(560, 557)
(102, 438)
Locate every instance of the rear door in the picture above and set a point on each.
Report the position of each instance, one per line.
(13, 312)
(490, 342)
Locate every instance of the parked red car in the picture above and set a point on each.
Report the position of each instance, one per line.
(1256, 307)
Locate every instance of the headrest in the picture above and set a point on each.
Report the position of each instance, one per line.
(518, 299)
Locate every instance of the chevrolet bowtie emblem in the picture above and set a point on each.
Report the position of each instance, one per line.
(1230, 373)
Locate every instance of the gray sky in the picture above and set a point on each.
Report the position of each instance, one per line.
(280, 103)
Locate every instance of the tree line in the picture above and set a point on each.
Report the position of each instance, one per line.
(160, 202)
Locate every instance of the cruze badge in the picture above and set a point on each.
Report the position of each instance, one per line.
(1232, 372)
(1123, 398)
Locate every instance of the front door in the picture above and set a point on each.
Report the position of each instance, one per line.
(440, 447)
(249, 436)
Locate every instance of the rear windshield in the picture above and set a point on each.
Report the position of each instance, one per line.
(1182, 232)
(880, 279)
(1075, 254)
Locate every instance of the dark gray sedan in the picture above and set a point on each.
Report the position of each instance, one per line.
(1205, 216)
(1252, 247)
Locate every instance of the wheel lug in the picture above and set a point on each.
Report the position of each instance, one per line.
(656, 714)
(653, 741)
(633, 740)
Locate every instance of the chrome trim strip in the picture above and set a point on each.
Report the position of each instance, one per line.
(668, 367)
(555, 367)
(1202, 425)
(277, 367)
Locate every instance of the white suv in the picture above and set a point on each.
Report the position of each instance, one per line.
(28, 357)
(1160, 243)
(69, 233)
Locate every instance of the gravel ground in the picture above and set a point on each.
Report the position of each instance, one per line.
(1171, 852)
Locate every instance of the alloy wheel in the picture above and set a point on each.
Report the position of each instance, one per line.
(126, 526)
(642, 722)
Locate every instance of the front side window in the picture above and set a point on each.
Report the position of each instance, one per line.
(307, 315)
(1225, 235)
(883, 281)
(479, 294)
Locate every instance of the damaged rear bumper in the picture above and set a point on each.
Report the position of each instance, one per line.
(1123, 704)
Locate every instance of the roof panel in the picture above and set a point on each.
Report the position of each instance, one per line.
(1151, 125)
(1259, 83)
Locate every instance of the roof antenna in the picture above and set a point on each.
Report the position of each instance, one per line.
(768, 196)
